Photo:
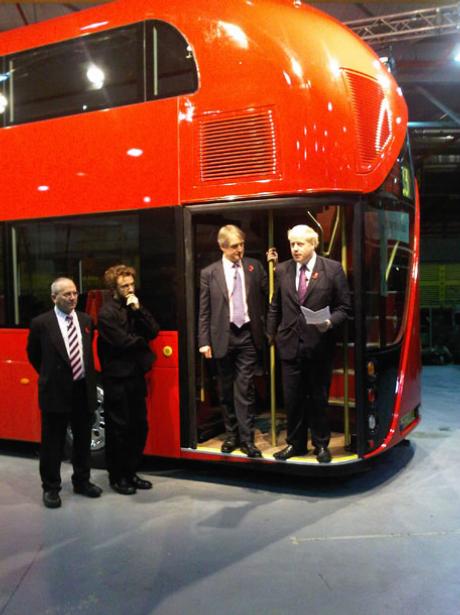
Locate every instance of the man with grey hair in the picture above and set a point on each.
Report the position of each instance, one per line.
(306, 350)
(60, 349)
(233, 297)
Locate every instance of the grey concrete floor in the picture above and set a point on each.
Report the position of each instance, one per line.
(387, 541)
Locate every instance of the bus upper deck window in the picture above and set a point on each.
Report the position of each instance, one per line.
(174, 70)
(93, 72)
(116, 67)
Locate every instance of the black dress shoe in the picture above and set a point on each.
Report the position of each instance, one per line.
(250, 450)
(140, 483)
(89, 489)
(323, 454)
(123, 486)
(229, 445)
(288, 452)
(51, 499)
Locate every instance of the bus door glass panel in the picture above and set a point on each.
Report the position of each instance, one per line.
(93, 72)
(387, 259)
(388, 226)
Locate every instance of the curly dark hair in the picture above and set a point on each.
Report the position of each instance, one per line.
(113, 273)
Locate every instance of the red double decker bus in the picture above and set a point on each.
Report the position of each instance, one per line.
(132, 131)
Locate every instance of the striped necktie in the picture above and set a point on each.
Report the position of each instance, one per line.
(76, 362)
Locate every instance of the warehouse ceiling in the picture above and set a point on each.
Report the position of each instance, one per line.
(420, 41)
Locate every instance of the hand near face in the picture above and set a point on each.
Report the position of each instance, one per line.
(132, 301)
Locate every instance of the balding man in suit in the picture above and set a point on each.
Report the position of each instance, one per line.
(231, 330)
(306, 350)
(60, 349)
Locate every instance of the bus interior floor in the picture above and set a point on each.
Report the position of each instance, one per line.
(263, 441)
(218, 538)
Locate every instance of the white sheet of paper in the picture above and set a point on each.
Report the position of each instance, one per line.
(316, 318)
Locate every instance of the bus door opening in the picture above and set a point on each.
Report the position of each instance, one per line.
(266, 228)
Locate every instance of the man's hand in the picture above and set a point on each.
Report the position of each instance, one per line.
(206, 351)
(133, 302)
(272, 256)
(324, 326)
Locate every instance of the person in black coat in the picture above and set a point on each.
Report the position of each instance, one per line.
(125, 330)
(59, 347)
(231, 330)
(307, 350)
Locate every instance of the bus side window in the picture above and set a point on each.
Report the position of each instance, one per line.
(84, 247)
(94, 72)
(98, 71)
(174, 70)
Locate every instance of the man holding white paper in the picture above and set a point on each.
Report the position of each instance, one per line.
(310, 302)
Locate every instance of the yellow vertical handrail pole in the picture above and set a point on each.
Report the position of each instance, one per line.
(202, 382)
(346, 403)
(271, 289)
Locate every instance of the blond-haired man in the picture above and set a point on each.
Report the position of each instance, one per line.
(307, 351)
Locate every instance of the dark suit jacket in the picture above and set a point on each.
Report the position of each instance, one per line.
(123, 341)
(327, 287)
(214, 317)
(48, 355)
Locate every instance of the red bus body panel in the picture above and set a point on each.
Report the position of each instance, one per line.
(292, 73)
(300, 71)
(163, 400)
(19, 416)
(95, 173)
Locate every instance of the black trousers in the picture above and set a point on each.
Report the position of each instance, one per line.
(126, 424)
(306, 384)
(53, 435)
(236, 385)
